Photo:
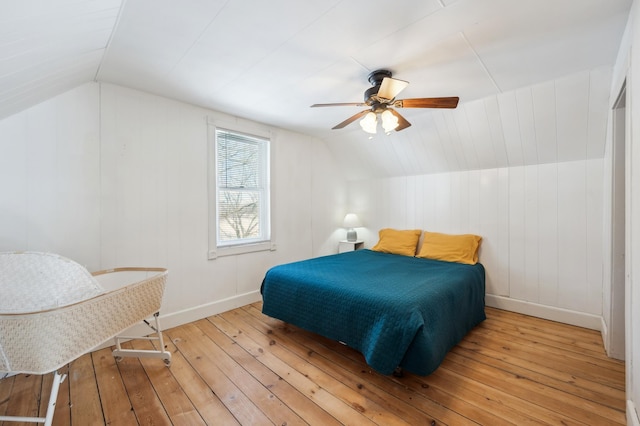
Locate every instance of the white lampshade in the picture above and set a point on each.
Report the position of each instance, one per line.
(389, 121)
(351, 221)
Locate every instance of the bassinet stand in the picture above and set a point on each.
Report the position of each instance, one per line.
(120, 353)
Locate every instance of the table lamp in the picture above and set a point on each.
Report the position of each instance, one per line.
(351, 221)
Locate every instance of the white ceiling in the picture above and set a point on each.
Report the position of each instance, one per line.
(270, 60)
(49, 47)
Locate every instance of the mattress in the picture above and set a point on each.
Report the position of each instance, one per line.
(398, 311)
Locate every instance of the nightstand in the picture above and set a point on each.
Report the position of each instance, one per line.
(345, 246)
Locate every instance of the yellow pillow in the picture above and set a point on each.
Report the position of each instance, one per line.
(451, 248)
(398, 242)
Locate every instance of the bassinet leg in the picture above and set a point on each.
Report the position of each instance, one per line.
(120, 353)
(51, 407)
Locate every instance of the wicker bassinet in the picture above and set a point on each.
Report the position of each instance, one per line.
(52, 311)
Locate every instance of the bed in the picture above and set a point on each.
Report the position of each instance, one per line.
(398, 311)
(52, 311)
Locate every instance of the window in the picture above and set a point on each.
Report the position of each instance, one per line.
(239, 199)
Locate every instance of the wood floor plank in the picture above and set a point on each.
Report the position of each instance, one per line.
(244, 368)
(83, 392)
(554, 348)
(196, 348)
(583, 337)
(175, 401)
(570, 344)
(551, 361)
(144, 400)
(477, 400)
(306, 408)
(261, 395)
(478, 407)
(345, 412)
(614, 413)
(116, 405)
(367, 408)
(412, 404)
(211, 409)
(27, 388)
(612, 398)
(507, 360)
(6, 388)
(559, 407)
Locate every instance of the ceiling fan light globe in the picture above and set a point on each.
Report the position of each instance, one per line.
(389, 121)
(369, 122)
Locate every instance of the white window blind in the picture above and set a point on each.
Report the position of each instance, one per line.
(242, 188)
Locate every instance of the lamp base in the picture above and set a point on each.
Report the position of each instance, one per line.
(352, 235)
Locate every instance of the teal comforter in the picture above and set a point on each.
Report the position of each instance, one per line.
(398, 311)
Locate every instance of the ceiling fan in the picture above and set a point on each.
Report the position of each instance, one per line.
(381, 100)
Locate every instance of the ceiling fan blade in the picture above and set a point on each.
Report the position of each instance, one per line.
(402, 122)
(450, 102)
(350, 119)
(339, 104)
(391, 87)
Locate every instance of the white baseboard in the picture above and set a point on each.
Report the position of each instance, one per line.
(185, 316)
(202, 311)
(604, 332)
(580, 319)
(632, 414)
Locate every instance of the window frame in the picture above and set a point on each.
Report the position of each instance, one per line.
(216, 249)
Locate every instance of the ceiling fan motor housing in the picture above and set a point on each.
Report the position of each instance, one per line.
(375, 78)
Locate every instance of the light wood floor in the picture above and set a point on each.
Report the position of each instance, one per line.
(242, 367)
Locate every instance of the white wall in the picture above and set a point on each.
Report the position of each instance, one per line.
(628, 66)
(541, 227)
(155, 208)
(50, 177)
(111, 177)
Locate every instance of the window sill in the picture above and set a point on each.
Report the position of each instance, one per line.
(241, 249)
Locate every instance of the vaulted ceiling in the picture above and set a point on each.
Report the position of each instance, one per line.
(532, 75)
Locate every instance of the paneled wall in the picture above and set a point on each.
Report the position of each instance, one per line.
(112, 177)
(50, 177)
(541, 227)
(154, 199)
